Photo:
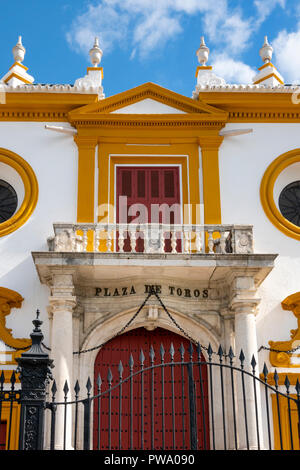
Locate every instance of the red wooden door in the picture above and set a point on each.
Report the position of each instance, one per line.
(161, 392)
(2, 435)
(153, 196)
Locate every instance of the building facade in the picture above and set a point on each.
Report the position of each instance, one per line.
(104, 198)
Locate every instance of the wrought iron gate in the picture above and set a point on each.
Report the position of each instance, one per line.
(238, 399)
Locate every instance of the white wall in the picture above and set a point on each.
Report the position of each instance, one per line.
(243, 161)
(53, 158)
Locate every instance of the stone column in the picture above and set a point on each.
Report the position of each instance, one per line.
(244, 305)
(228, 342)
(62, 303)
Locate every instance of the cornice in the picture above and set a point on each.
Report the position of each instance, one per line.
(42, 106)
(255, 106)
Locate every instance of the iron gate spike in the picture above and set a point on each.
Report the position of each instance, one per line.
(253, 362)
(276, 378)
(242, 357)
(265, 371)
(287, 383)
(54, 389)
(231, 355)
(99, 381)
(120, 369)
(172, 351)
(182, 351)
(142, 357)
(77, 388)
(66, 388)
(152, 353)
(109, 376)
(88, 385)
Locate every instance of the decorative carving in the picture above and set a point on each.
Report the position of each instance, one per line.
(66, 240)
(10, 299)
(283, 358)
(243, 241)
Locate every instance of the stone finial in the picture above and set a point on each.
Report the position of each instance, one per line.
(266, 51)
(96, 53)
(19, 51)
(203, 52)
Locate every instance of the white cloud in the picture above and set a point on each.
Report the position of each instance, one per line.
(146, 25)
(265, 8)
(233, 71)
(286, 50)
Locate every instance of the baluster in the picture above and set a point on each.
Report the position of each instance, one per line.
(186, 235)
(223, 242)
(174, 242)
(121, 239)
(109, 240)
(97, 239)
(198, 241)
(210, 242)
(146, 239)
(162, 241)
(85, 239)
(132, 235)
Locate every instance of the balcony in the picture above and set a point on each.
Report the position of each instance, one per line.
(152, 239)
(156, 253)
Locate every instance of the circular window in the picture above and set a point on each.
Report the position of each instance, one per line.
(289, 203)
(280, 193)
(18, 193)
(8, 201)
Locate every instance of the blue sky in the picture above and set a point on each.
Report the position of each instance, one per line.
(150, 40)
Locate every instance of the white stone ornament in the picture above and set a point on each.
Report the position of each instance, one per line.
(267, 74)
(19, 51)
(266, 51)
(17, 74)
(205, 75)
(203, 52)
(96, 53)
(93, 79)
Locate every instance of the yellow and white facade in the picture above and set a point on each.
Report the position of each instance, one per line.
(235, 148)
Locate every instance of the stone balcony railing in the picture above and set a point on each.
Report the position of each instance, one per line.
(151, 238)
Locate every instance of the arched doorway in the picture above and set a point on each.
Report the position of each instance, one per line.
(152, 410)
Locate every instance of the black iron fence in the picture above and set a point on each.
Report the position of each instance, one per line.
(193, 399)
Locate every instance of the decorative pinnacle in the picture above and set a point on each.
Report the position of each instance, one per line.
(266, 51)
(203, 52)
(96, 53)
(19, 51)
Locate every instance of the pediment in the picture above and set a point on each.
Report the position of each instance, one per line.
(147, 99)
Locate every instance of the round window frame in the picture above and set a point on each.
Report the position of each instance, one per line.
(282, 196)
(30, 191)
(13, 194)
(267, 193)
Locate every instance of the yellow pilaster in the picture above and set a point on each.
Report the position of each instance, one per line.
(86, 179)
(211, 178)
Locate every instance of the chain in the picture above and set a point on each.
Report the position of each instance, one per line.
(192, 340)
(290, 351)
(153, 292)
(122, 329)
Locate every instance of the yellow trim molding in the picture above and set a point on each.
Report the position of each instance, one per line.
(42, 106)
(19, 77)
(267, 190)
(282, 358)
(272, 107)
(269, 76)
(285, 441)
(15, 410)
(31, 191)
(10, 299)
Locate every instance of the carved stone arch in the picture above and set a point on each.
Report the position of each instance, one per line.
(105, 330)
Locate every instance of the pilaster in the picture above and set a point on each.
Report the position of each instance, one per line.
(210, 145)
